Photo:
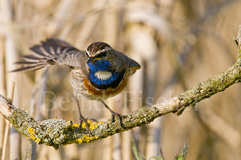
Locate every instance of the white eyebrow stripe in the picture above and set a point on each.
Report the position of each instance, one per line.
(104, 50)
(87, 53)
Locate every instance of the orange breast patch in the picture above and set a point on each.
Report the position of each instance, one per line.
(107, 92)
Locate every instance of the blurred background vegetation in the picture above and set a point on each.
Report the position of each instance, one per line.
(178, 43)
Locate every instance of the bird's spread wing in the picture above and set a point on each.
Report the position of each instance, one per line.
(52, 52)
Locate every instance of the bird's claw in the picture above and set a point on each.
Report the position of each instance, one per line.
(119, 116)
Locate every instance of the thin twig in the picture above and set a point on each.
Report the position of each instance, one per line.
(6, 133)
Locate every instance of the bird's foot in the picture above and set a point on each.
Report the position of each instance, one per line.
(83, 119)
(119, 116)
(113, 114)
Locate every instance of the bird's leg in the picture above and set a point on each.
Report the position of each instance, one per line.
(81, 117)
(113, 114)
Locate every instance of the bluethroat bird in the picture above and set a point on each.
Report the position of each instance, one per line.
(98, 73)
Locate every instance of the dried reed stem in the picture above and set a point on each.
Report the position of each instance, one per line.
(2, 89)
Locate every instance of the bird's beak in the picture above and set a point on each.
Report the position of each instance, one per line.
(90, 60)
(93, 59)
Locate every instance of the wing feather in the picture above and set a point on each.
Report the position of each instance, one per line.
(52, 52)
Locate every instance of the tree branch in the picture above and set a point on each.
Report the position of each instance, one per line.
(56, 132)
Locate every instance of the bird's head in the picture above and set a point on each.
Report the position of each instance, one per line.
(100, 56)
(98, 50)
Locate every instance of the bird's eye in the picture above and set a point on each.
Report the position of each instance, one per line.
(101, 55)
(104, 54)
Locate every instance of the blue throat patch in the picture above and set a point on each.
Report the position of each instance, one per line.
(102, 65)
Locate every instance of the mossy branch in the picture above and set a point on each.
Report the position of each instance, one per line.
(56, 132)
